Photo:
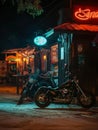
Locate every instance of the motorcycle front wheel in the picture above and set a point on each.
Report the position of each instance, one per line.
(42, 99)
(87, 101)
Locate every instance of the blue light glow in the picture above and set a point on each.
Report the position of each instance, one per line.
(40, 40)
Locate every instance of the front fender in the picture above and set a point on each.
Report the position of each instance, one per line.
(43, 88)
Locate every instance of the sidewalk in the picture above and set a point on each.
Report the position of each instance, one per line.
(11, 89)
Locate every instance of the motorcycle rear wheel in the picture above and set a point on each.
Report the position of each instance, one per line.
(41, 99)
(87, 101)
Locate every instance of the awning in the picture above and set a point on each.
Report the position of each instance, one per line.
(27, 51)
(76, 27)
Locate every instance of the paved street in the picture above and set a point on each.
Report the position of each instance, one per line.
(55, 117)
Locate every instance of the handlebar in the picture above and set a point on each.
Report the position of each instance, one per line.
(47, 75)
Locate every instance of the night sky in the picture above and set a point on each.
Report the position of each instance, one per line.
(18, 30)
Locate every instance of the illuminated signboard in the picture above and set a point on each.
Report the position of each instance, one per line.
(86, 14)
(40, 40)
(11, 58)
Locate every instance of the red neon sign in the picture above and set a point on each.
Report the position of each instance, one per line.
(86, 14)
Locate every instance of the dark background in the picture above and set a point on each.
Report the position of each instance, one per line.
(18, 30)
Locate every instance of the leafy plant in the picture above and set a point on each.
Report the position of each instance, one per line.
(32, 7)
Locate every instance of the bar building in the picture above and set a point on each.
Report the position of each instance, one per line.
(78, 44)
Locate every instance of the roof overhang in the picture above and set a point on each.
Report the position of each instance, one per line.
(73, 27)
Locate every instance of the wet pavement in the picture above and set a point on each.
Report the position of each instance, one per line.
(9, 99)
(28, 116)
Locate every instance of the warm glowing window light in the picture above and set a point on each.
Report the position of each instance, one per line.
(18, 59)
(44, 57)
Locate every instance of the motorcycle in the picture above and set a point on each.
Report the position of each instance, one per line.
(65, 94)
(33, 83)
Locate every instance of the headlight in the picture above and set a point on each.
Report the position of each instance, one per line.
(31, 80)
